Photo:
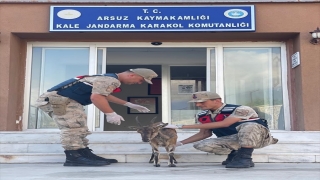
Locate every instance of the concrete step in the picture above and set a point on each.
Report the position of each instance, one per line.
(45, 147)
(183, 157)
(145, 147)
(40, 137)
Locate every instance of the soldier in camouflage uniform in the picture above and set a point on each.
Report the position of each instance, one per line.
(64, 103)
(238, 128)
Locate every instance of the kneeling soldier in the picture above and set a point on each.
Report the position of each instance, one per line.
(238, 128)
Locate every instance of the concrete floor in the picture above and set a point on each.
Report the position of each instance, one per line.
(145, 171)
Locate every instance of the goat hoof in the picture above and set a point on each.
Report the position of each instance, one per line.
(156, 165)
(172, 165)
(151, 161)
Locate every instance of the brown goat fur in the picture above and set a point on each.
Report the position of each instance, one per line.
(158, 136)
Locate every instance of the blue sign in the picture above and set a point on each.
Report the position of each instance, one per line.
(152, 18)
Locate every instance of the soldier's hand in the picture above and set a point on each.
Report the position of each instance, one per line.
(179, 143)
(114, 118)
(173, 126)
(137, 107)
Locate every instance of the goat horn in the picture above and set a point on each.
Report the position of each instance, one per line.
(138, 121)
(152, 120)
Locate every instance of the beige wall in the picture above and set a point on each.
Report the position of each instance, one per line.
(289, 22)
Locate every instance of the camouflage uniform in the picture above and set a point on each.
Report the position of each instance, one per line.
(69, 115)
(250, 134)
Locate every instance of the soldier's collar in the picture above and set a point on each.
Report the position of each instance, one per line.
(217, 110)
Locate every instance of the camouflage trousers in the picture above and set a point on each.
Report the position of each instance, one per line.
(69, 117)
(249, 135)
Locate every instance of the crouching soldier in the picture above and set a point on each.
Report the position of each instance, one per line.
(238, 128)
(64, 103)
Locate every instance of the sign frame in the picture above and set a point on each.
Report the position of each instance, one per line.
(56, 27)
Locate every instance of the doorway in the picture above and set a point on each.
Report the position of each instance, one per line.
(135, 92)
(184, 80)
(158, 59)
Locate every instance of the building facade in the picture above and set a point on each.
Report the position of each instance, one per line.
(255, 53)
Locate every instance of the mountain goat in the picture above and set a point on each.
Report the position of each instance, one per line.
(157, 136)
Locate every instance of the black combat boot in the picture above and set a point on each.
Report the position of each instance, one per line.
(86, 152)
(73, 158)
(242, 159)
(230, 157)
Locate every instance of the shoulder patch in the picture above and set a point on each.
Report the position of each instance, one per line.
(229, 108)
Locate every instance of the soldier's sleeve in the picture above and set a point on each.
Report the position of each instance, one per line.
(104, 85)
(244, 112)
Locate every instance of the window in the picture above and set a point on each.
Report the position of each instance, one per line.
(252, 77)
(49, 67)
